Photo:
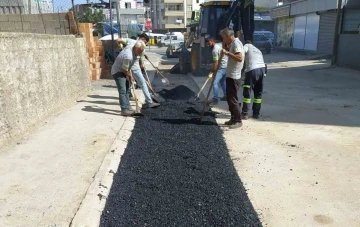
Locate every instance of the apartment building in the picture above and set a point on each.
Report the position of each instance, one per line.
(171, 14)
(26, 6)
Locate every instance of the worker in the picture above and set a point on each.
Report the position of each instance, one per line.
(255, 70)
(121, 73)
(234, 50)
(220, 77)
(138, 74)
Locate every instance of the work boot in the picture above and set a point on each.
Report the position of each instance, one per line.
(230, 122)
(235, 125)
(127, 112)
(256, 116)
(150, 105)
(244, 116)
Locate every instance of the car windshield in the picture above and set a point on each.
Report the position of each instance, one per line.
(269, 35)
(258, 37)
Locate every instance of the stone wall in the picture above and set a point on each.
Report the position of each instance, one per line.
(51, 23)
(40, 75)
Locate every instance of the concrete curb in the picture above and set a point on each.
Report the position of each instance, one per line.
(90, 210)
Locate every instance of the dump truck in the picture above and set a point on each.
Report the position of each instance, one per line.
(214, 16)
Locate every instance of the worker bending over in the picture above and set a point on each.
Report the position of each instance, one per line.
(137, 70)
(121, 73)
(234, 50)
(220, 77)
(255, 71)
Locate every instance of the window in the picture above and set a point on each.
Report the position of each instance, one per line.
(197, 1)
(127, 5)
(351, 21)
(188, 8)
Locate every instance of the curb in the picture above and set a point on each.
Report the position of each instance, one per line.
(91, 207)
(90, 210)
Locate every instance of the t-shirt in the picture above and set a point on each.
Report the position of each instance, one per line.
(125, 60)
(253, 58)
(130, 44)
(234, 68)
(216, 53)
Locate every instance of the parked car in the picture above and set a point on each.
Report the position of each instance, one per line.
(262, 43)
(269, 35)
(173, 50)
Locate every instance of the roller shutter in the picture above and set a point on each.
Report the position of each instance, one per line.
(326, 33)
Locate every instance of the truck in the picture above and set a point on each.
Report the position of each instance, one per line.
(214, 16)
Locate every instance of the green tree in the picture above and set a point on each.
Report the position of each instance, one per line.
(93, 16)
(261, 8)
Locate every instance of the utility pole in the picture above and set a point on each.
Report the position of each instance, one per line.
(336, 37)
(29, 6)
(118, 16)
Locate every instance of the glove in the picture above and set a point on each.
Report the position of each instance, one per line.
(210, 75)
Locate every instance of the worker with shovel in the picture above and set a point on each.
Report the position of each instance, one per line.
(120, 71)
(233, 48)
(137, 69)
(220, 77)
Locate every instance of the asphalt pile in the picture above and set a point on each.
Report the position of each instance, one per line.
(177, 171)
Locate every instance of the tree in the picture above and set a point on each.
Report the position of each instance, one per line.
(261, 8)
(93, 16)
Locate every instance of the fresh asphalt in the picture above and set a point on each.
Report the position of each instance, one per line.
(177, 171)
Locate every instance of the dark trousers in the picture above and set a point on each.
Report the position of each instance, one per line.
(254, 81)
(232, 88)
(123, 86)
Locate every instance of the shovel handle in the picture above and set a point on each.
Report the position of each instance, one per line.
(136, 101)
(157, 69)
(203, 87)
(208, 94)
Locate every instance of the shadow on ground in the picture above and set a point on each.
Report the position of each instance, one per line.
(176, 173)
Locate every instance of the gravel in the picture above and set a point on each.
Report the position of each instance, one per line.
(177, 171)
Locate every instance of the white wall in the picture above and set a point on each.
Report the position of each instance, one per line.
(309, 6)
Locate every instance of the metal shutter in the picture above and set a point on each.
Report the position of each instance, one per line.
(326, 33)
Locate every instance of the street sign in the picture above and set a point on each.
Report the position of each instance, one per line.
(148, 24)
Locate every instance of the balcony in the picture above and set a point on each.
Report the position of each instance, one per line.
(174, 1)
(174, 26)
(174, 13)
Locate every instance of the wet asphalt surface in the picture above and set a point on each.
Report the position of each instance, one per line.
(177, 171)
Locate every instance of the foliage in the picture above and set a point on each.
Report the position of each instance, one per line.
(93, 16)
(261, 8)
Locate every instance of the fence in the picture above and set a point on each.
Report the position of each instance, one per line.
(38, 16)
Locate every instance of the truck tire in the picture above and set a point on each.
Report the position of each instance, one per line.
(184, 62)
(195, 59)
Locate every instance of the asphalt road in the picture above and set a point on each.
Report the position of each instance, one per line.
(177, 171)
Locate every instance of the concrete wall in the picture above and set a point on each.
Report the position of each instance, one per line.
(39, 76)
(348, 55)
(52, 23)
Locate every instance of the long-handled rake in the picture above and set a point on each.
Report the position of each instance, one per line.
(148, 83)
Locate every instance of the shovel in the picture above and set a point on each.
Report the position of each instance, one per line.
(164, 80)
(202, 88)
(147, 81)
(137, 112)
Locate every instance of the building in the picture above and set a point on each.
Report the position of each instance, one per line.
(26, 6)
(349, 35)
(306, 24)
(266, 3)
(171, 14)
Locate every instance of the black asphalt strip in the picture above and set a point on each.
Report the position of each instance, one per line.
(177, 171)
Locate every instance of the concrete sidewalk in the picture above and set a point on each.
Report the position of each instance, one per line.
(300, 160)
(46, 176)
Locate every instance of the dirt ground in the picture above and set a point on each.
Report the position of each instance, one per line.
(300, 161)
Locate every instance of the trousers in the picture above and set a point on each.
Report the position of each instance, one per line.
(139, 77)
(123, 86)
(232, 88)
(254, 81)
(220, 79)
